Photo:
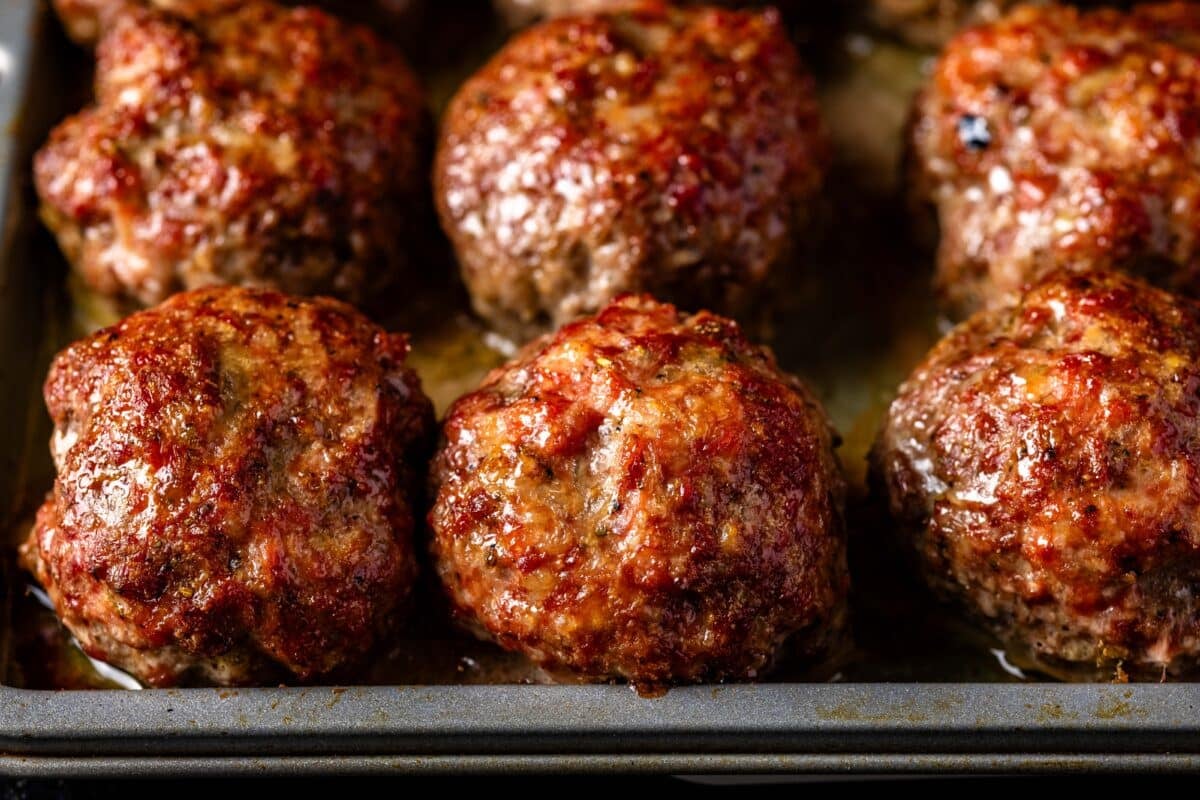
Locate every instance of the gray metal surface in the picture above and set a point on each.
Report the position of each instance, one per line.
(902, 728)
(770, 727)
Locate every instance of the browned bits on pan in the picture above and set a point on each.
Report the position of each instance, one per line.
(234, 500)
(675, 151)
(643, 495)
(262, 146)
(1044, 464)
(1090, 159)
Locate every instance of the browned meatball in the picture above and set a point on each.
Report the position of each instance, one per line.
(265, 147)
(1044, 463)
(236, 471)
(1063, 139)
(645, 496)
(672, 151)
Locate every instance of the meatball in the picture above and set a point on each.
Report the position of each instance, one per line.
(645, 496)
(1044, 464)
(264, 147)
(1056, 138)
(674, 151)
(237, 472)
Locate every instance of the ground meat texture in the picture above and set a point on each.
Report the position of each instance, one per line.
(1056, 138)
(674, 151)
(263, 147)
(1044, 464)
(236, 480)
(644, 496)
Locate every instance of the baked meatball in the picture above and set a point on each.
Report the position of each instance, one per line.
(264, 147)
(675, 151)
(1044, 464)
(644, 496)
(1057, 138)
(234, 501)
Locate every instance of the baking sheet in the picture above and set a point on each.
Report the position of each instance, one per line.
(852, 316)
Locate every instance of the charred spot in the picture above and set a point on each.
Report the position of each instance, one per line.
(974, 132)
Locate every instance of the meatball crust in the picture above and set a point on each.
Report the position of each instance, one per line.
(1044, 463)
(263, 147)
(1056, 138)
(644, 496)
(234, 500)
(674, 151)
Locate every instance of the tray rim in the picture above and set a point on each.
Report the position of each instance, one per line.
(744, 728)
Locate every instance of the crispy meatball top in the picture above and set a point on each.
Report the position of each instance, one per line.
(264, 146)
(647, 150)
(235, 472)
(1047, 459)
(643, 495)
(1060, 138)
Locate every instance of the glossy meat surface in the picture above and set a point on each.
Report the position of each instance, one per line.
(264, 147)
(236, 478)
(671, 151)
(1057, 138)
(1044, 465)
(642, 496)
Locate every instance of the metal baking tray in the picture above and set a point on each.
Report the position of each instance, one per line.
(892, 717)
